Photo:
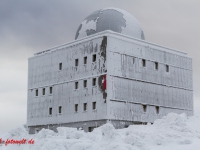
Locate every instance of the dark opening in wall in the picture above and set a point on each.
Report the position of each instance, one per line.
(50, 111)
(85, 60)
(167, 68)
(85, 83)
(36, 92)
(157, 110)
(143, 62)
(76, 107)
(76, 85)
(94, 58)
(93, 81)
(60, 66)
(144, 108)
(156, 65)
(90, 129)
(76, 62)
(133, 60)
(93, 105)
(60, 109)
(50, 90)
(84, 106)
(43, 91)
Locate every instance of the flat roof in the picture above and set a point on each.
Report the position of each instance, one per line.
(115, 35)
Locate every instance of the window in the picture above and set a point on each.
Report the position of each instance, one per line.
(167, 68)
(36, 92)
(76, 85)
(60, 66)
(85, 60)
(93, 81)
(157, 110)
(50, 90)
(85, 83)
(156, 65)
(94, 58)
(94, 105)
(90, 129)
(76, 62)
(60, 109)
(144, 108)
(50, 111)
(84, 106)
(76, 107)
(143, 62)
(43, 91)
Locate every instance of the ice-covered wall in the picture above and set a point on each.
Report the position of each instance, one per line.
(123, 85)
(45, 72)
(132, 85)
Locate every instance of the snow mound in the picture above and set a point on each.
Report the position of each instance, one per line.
(172, 119)
(174, 132)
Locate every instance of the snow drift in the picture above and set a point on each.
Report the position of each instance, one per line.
(174, 132)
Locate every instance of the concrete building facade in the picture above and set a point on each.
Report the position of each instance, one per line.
(107, 77)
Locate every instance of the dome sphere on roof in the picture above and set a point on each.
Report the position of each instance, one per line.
(113, 19)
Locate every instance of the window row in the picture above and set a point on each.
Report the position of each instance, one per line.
(85, 107)
(155, 65)
(59, 110)
(145, 108)
(76, 63)
(44, 91)
(76, 87)
(76, 107)
(85, 83)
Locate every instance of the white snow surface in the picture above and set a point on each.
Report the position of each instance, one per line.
(172, 132)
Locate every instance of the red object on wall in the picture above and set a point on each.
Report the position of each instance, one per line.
(104, 82)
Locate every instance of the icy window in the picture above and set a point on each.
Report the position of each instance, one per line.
(76, 85)
(144, 108)
(60, 66)
(156, 65)
(36, 92)
(43, 91)
(50, 90)
(76, 62)
(76, 107)
(143, 62)
(50, 111)
(94, 58)
(93, 81)
(85, 83)
(93, 105)
(85, 60)
(60, 109)
(157, 110)
(84, 106)
(167, 68)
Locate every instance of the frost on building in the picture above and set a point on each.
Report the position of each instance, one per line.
(109, 73)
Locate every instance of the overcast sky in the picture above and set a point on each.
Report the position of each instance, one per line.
(27, 27)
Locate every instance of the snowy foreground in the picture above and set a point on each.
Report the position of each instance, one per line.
(173, 132)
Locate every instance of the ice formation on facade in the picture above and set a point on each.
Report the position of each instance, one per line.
(113, 19)
(109, 74)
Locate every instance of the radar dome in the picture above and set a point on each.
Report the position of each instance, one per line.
(113, 19)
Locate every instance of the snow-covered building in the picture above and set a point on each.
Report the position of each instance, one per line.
(108, 74)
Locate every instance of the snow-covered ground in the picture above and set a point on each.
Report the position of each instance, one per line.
(172, 132)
